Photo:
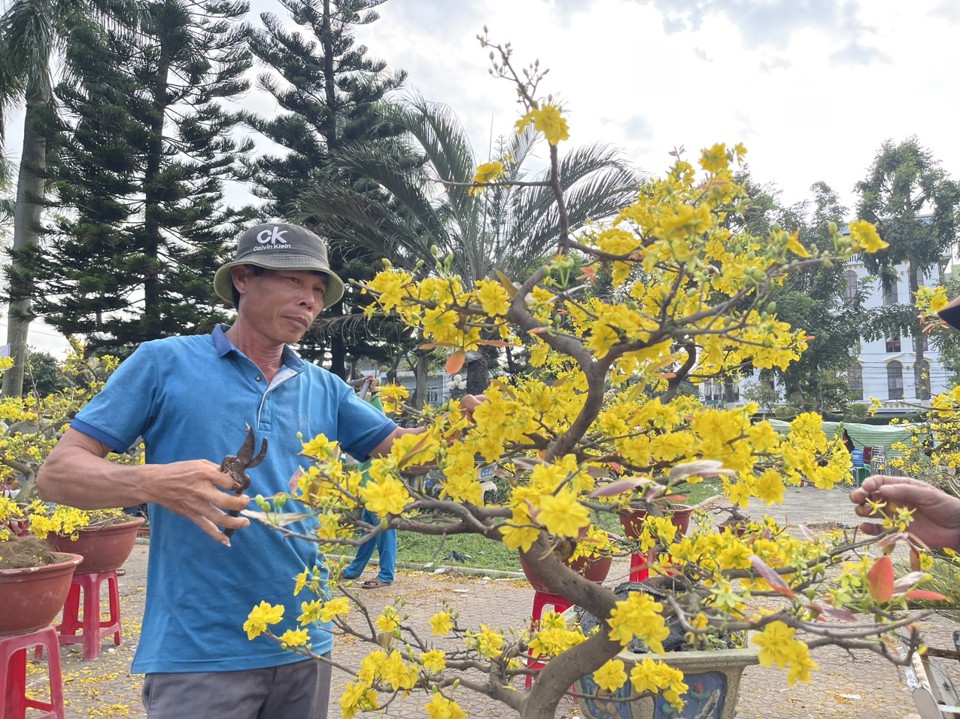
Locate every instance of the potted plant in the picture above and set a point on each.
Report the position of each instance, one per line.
(34, 581)
(103, 537)
(711, 665)
(589, 556)
(35, 424)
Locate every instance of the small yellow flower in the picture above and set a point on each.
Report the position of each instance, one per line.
(611, 676)
(441, 623)
(434, 661)
(388, 621)
(442, 708)
(562, 515)
(493, 298)
(261, 617)
(866, 237)
(295, 638)
(548, 120)
(486, 173)
(334, 608)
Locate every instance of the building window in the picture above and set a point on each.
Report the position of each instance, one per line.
(851, 290)
(731, 390)
(922, 379)
(894, 380)
(893, 344)
(433, 395)
(920, 344)
(890, 294)
(920, 273)
(855, 381)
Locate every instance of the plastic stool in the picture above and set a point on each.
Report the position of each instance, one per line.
(638, 568)
(540, 601)
(13, 674)
(92, 628)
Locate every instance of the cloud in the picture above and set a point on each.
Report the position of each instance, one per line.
(855, 53)
(635, 128)
(949, 10)
(773, 24)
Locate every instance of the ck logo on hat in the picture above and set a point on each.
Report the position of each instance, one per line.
(273, 237)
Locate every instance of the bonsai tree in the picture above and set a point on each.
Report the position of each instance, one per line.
(627, 309)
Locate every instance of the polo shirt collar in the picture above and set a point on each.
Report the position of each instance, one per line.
(289, 358)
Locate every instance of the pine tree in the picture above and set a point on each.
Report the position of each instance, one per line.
(141, 176)
(332, 95)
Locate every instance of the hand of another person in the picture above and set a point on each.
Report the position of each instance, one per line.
(470, 402)
(936, 514)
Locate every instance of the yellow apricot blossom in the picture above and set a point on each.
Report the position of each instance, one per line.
(488, 172)
(439, 707)
(261, 617)
(386, 496)
(611, 676)
(548, 120)
(337, 607)
(357, 697)
(656, 677)
(562, 514)
(865, 236)
(434, 661)
(639, 616)
(493, 298)
(441, 623)
(778, 646)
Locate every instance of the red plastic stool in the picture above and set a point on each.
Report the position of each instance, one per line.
(638, 568)
(540, 601)
(92, 628)
(13, 675)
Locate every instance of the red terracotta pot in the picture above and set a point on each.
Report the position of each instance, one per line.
(31, 598)
(632, 519)
(595, 569)
(103, 548)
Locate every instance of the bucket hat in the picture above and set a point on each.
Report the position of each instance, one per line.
(280, 246)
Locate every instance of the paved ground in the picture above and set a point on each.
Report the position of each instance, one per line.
(846, 687)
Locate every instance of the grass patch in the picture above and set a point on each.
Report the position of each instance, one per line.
(472, 550)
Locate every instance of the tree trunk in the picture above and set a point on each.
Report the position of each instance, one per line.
(478, 372)
(423, 373)
(26, 234)
(918, 336)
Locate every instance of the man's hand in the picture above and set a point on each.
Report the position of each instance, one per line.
(936, 514)
(193, 488)
(76, 474)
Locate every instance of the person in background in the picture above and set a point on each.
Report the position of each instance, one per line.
(847, 441)
(384, 543)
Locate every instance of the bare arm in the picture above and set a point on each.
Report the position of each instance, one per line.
(76, 474)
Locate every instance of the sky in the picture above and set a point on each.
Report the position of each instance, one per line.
(813, 88)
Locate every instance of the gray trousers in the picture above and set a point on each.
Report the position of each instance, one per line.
(291, 691)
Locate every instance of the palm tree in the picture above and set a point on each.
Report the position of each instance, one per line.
(32, 35)
(430, 209)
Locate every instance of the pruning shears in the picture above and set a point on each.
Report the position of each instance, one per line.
(237, 466)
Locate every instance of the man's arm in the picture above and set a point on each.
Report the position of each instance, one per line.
(76, 474)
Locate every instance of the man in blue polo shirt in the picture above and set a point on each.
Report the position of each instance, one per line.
(192, 399)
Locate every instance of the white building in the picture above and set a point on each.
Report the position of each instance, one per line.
(886, 369)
